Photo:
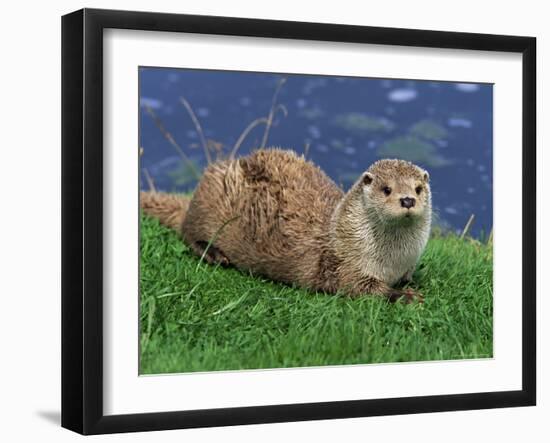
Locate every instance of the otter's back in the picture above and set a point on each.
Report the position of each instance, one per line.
(268, 212)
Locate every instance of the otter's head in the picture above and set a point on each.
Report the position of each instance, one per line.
(397, 192)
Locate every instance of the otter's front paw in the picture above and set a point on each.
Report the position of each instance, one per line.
(406, 296)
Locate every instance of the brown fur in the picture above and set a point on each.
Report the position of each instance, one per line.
(275, 214)
(168, 209)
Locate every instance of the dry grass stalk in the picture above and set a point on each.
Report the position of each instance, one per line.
(198, 128)
(172, 141)
(244, 134)
(490, 239)
(215, 147)
(306, 149)
(150, 181)
(282, 108)
(468, 226)
(273, 111)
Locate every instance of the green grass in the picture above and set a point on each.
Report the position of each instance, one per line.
(198, 317)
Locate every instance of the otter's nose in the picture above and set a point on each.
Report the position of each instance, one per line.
(408, 202)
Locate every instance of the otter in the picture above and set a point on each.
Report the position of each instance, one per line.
(274, 213)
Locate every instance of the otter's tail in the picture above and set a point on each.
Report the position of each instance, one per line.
(169, 209)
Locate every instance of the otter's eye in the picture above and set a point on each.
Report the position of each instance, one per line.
(387, 190)
(418, 190)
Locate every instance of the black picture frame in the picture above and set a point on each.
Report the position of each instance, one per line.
(82, 219)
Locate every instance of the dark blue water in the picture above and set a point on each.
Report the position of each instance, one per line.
(346, 124)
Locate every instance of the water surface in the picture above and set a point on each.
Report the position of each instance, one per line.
(343, 123)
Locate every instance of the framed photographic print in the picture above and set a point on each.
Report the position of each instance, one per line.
(270, 221)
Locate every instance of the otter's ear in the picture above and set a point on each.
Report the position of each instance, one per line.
(367, 178)
(426, 177)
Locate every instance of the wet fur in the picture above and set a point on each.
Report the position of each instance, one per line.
(275, 214)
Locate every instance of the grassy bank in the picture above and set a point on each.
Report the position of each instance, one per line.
(197, 317)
